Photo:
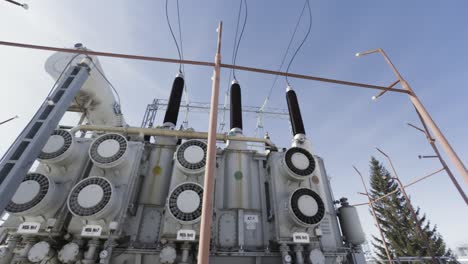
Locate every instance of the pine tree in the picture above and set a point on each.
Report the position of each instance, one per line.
(395, 218)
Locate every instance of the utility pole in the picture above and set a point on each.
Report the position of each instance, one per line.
(208, 186)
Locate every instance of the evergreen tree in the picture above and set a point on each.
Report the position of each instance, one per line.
(395, 218)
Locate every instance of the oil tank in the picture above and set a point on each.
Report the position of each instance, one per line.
(350, 223)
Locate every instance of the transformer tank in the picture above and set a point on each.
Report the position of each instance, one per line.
(107, 197)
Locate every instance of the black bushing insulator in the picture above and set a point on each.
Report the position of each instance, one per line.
(294, 113)
(173, 105)
(236, 106)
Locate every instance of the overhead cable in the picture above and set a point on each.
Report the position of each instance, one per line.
(303, 41)
(284, 57)
(173, 36)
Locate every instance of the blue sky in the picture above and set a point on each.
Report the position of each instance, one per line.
(427, 41)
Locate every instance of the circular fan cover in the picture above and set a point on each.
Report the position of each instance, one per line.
(300, 161)
(307, 206)
(185, 202)
(58, 143)
(192, 154)
(108, 148)
(31, 191)
(90, 196)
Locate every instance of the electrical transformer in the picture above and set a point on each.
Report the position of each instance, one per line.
(114, 194)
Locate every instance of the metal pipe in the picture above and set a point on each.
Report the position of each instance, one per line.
(410, 207)
(207, 206)
(11, 245)
(200, 63)
(425, 117)
(168, 133)
(298, 249)
(376, 220)
(442, 161)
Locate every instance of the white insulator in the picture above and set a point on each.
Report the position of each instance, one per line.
(93, 198)
(109, 151)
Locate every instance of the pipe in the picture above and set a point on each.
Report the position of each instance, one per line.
(169, 133)
(90, 254)
(236, 105)
(285, 257)
(172, 111)
(294, 112)
(185, 253)
(23, 256)
(298, 249)
(11, 245)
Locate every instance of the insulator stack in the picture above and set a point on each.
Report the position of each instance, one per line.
(173, 106)
(294, 112)
(236, 106)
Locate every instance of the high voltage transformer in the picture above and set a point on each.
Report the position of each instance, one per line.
(117, 195)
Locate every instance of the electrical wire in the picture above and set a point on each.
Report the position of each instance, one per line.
(236, 45)
(173, 36)
(302, 43)
(107, 80)
(284, 58)
(61, 74)
(241, 34)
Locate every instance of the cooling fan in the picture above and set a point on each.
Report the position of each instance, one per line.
(33, 196)
(306, 207)
(58, 148)
(191, 156)
(93, 198)
(108, 150)
(185, 202)
(298, 163)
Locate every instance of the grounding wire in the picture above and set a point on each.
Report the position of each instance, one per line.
(303, 41)
(173, 37)
(284, 58)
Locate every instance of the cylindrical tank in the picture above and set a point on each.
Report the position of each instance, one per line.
(102, 109)
(350, 223)
(241, 188)
(157, 180)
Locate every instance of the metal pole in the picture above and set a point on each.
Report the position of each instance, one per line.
(200, 63)
(371, 205)
(410, 207)
(426, 118)
(207, 206)
(442, 161)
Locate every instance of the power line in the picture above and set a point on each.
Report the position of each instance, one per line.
(284, 56)
(241, 34)
(302, 43)
(173, 36)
